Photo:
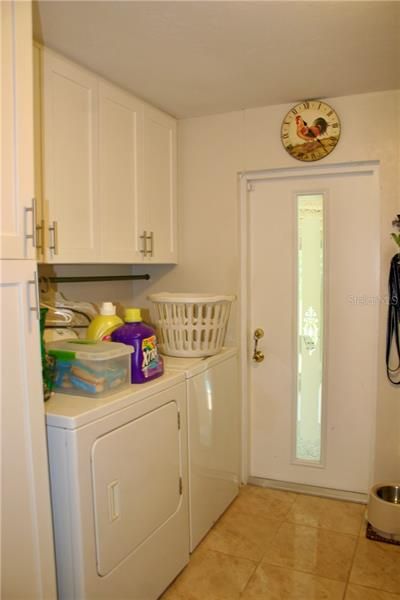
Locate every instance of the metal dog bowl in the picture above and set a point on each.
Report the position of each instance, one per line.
(389, 493)
(384, 509)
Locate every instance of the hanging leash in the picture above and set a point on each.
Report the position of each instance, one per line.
(393, 340)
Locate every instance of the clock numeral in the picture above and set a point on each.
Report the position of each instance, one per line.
(335, 125)
(294, 111)
(319, 105)
(313, 156)
(306, 105)
(285, 136)
(329, 113)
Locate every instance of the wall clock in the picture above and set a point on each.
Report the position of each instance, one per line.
(310, 130)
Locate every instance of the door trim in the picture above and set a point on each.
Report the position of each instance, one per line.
(246, 178)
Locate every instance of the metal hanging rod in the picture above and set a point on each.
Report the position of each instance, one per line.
(97, 278)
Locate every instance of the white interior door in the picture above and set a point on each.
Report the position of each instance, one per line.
(314, 290)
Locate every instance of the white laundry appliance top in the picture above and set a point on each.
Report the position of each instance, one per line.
(71, 412)
(193, 366)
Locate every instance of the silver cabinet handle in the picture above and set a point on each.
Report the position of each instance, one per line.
(143, 237)
(31, 236)
(151, 240)
(35, 308)
(53, 229)
(40, 228)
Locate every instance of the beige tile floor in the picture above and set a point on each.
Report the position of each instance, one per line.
(276, 545)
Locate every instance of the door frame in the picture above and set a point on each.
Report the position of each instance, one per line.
(246, 178)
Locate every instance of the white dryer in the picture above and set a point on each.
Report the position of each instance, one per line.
(119, 490)
(213, 408)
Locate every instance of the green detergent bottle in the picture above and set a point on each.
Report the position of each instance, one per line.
(104, 324)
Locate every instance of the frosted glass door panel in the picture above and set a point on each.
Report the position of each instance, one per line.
(310, 310)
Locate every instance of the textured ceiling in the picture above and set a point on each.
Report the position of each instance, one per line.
(197, 58)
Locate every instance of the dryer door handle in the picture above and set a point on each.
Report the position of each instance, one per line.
(113, 500)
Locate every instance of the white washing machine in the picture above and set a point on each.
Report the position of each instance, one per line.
(213, 408)
(118, 469)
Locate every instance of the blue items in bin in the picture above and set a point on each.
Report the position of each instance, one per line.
(90, 369)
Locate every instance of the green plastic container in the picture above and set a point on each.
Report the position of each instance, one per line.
(48, 362)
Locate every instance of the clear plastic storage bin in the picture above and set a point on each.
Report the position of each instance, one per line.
(191, 324)
(90, 369)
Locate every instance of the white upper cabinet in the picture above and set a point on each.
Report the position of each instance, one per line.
(70, 144)
(120, 168)
(108, 173)
(159, 183)
(17, 214)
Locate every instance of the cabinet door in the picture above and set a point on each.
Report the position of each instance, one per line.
(70, 98)
(27, 556)
(120, 173)
(17, 216)
(159, 194)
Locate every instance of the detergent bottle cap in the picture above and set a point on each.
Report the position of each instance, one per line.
(107, 309)
(133, 315)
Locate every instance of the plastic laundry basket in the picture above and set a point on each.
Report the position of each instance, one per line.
(191, 324)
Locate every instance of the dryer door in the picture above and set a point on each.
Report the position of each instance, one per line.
(136, 472)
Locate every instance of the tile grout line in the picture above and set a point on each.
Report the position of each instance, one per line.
(352, 563)
(249, 579)
(262, 557)
(310, 572)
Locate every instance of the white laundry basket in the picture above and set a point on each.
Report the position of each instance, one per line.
(191, 324)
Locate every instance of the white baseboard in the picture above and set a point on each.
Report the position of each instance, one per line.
(312, 490)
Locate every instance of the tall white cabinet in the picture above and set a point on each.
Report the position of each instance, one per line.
(17, 212)
(27, 554)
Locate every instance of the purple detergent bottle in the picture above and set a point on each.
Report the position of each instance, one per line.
(146, 363)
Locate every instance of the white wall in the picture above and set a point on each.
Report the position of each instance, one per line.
(214, 149)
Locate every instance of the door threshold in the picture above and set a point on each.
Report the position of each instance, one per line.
(312, 490)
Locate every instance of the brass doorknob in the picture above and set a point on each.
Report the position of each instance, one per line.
(258, 356)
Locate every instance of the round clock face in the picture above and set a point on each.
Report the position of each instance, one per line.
(310, 130)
